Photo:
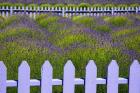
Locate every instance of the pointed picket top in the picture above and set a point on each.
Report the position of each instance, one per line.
(24, 78)
(24, 64)
(70, 65)
(69, 77)
(91, 75)
(46, 77)
(134, 77)
(3, 77)
(112, 77)
(113, 63)
(2, 66)
(91, 65)
(134, 64)
(46, 65)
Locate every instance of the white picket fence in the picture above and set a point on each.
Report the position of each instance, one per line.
(69, 81)
(68, 12)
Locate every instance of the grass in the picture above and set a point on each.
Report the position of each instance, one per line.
(60, 39)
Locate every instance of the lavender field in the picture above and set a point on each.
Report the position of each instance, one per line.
(59, 39)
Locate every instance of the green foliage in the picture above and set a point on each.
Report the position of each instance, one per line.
(122, 5)
(5, 4)
(133, 43)
(59, 5)
(134, 5)
(123, 32)
(84, 5)
(20, 33)
(1, 19)
(7, 21)
(97, 5)
(102, 28)
(86, 21)
(15, 53)
(41, 17)
(46, 21)
(118, 21)
(71, 6)
(33, 6)
(45, 5)
(19, 5)
(70, 39)
(109, 5)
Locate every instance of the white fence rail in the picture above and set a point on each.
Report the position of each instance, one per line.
(69, 81)
(90, 11)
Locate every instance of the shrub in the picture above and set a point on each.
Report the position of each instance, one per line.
(102, 28)
(118, 21)
(109, 6)
(133, 43)
(20, 33)
(84, 5)
(45, 5)
(19, 5)
(33, 6)
(71, 5)
(123, 32)
(46, 21)
(122, 5)
(7, 21)
(97, 6)
(59, 5)
(40, 17)
(70, 39)
(5, 4)
(1, 19)
(86, 21)
(134, 5)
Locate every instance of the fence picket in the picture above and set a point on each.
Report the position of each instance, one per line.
(46, 78)
(24, 78)
(69, 76)
(134, 77)
(112, 77)
(11, 11)
(69, 81)
(91, 74)
(7, 13)
(3, 77)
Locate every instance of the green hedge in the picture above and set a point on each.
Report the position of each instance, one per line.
(86, 5)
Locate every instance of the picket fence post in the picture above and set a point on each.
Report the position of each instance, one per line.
(113, 80)
(46, 77)
(134, 77)
(63, 11)
(112, 77)
(24, 78)
(90, 79)
(68, 78)
(11, 11)
(3, 77)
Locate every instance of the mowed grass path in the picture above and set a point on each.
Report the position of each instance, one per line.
(79, 39)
